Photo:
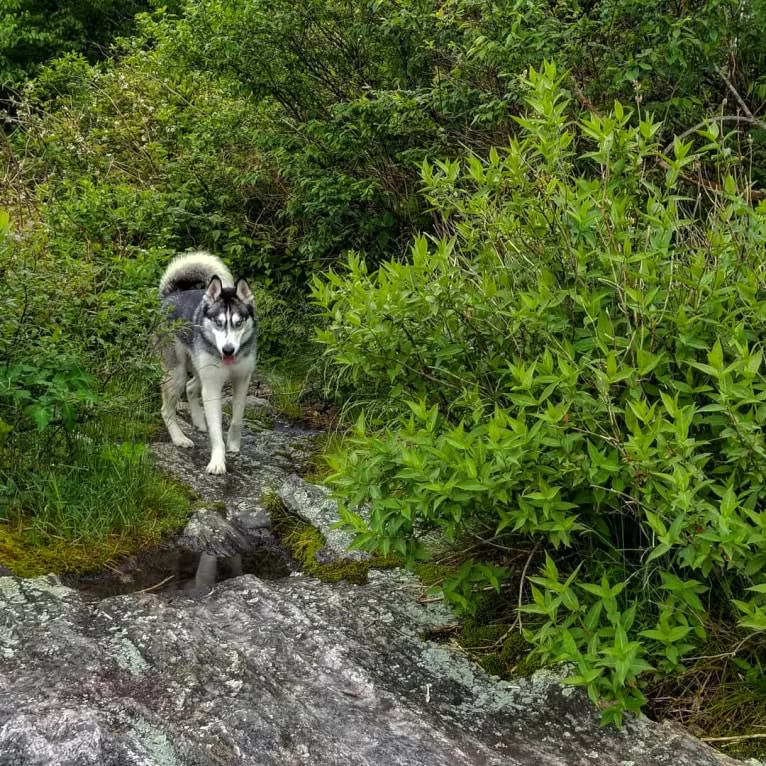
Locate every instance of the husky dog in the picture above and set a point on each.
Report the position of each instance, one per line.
(214, 342)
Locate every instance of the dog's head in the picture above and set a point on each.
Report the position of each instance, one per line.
(228, 318)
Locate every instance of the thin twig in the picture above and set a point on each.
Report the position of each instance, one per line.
(731, 653)
(156, 585)
(521, 583)
(735, 93)
(431, 600)
(738, 738)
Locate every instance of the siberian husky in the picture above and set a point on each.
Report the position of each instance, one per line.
(214, 341)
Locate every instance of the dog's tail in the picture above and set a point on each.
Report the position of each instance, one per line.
(191, 270)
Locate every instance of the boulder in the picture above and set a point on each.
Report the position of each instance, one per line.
(282, 672)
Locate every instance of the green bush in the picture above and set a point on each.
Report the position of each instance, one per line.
(578, 358)
(33, 32)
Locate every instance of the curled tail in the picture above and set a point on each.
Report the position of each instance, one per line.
(191, 270)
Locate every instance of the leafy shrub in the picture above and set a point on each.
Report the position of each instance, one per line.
(578, 358)
(33, 32)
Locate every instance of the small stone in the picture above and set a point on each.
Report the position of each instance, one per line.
(312, 503)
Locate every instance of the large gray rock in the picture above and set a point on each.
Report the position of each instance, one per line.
(284, 672)
(280, 672)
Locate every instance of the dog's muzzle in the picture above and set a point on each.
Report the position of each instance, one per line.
(227, 355)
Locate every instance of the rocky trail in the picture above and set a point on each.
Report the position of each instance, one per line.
(270, 666)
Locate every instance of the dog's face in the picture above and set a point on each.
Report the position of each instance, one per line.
(228, 319)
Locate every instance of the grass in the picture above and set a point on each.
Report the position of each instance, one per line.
(721, 694)
(71, 503)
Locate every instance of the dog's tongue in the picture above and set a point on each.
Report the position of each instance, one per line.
(228, 359)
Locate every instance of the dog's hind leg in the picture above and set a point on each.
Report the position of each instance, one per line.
(239, 386)
(172, 388)
(193, 394)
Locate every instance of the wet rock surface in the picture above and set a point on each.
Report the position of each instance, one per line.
(285, 672)
(289, 671)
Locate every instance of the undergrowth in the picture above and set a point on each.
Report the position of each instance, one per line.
(577, 359)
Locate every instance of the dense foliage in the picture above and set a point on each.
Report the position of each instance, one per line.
(577, 358)
(33, 32)
(549, 324)
(283, 134)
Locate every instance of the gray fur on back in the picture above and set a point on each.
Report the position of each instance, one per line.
(185, 309)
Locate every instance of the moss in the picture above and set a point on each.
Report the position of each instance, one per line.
(30, 550)
(26, 556)
(746, 748)
(498, 647)
(432, 573)
(304, 542)
(528, 664)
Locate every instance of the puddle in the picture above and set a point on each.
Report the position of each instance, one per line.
(268, 455)
(166, 568)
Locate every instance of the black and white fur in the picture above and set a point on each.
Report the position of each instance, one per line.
(214, 341)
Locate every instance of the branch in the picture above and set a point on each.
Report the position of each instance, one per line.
(735, 93)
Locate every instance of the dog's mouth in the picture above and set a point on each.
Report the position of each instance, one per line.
(228, 358)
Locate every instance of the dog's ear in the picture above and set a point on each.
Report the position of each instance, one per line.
(213, 292)
(243, 291)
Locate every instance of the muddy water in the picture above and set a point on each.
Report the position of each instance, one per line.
(167, 569)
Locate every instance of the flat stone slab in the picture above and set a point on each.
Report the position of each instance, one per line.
(291, 671)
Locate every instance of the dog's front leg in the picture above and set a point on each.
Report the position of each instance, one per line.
(239, 386)
(212, 392)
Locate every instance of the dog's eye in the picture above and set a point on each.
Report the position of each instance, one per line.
(237, 322)
(220, 322)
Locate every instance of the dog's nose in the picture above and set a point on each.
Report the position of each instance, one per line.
(228, 350)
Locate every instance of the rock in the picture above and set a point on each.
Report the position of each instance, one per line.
(209, 532)
(313, 504)
(282, 672)
(215, 537)
(266, 458)
(235, 523)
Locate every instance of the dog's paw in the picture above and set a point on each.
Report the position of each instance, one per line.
(232, 449)
(217, 465)
(183, 441)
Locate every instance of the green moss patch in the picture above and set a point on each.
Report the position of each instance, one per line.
(304, 542)
(76, 512)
